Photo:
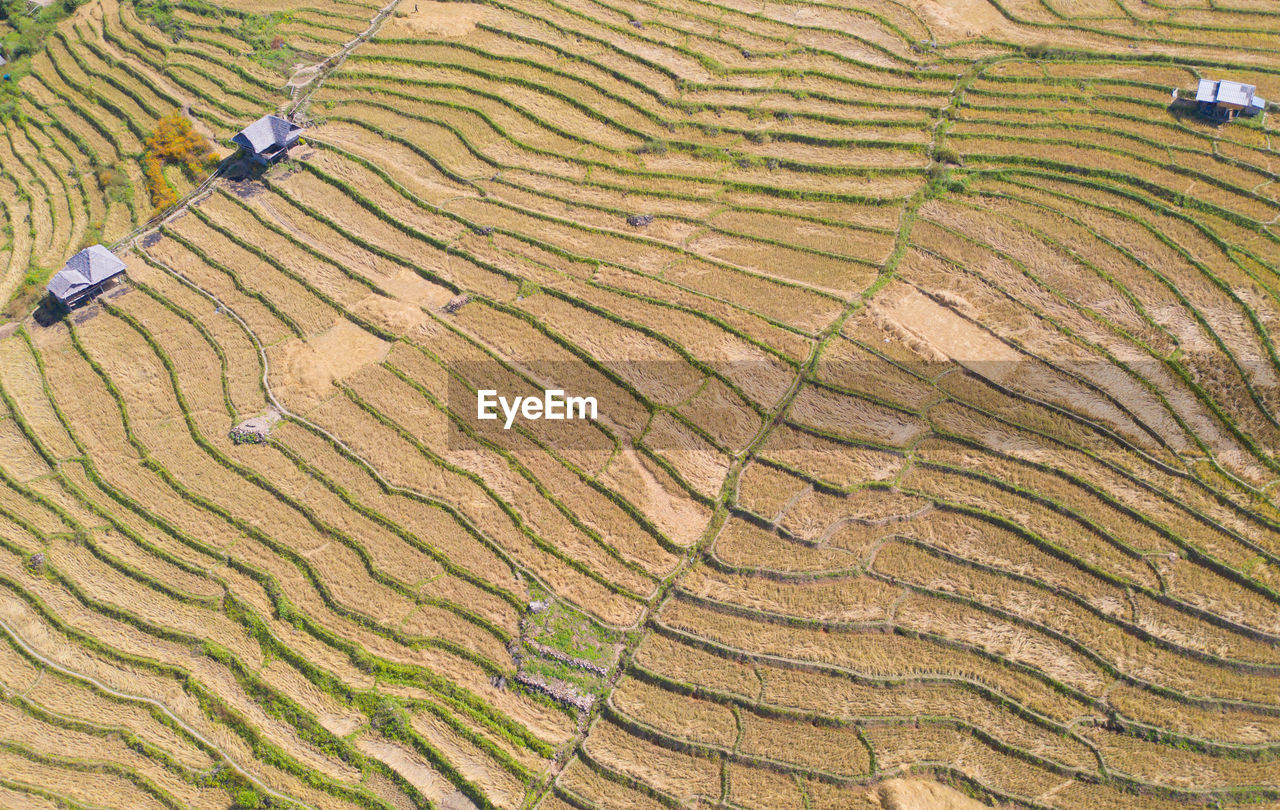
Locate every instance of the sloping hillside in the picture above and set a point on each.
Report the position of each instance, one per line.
(937, 429)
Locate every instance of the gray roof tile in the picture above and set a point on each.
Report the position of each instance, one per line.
(93, 265)
(267, 133)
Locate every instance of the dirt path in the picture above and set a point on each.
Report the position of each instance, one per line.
(331, 62)
(94, 682)
(394, 489)
(323, 69)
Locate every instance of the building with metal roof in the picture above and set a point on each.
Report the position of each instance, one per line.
(1223, 100)
(84, 275)
(268, 138)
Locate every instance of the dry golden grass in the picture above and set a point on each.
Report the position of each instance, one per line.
(1184, 769)
(872, 654)
(723, 414)
(741, 543)
(847, 365)
(858, 599)
(264, 324)
(697, 461)
(476, 766)
(840, 464)
(855, 419)
(691, 665)
(674, 714)
(1229, 726)
(907, 794)
(765, 788)
(768, 491)
(818, 517)
(402, 404)
(244, 368)
(760, 202)
(1043, 521)
(1006, 639)
(685, 777)
(830, 750)
(102, 789)
(583, 781)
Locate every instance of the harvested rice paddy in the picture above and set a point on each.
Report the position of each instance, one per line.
(936, 456)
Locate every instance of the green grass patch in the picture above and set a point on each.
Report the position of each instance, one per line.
(571, 632)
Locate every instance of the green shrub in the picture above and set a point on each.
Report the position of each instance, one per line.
(25, 28)
(651, 147)
(270, 50)
(115, 183)
(1041, 50)
(948, 154)
(159, 13)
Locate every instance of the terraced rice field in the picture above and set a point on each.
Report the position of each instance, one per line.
(936, 460)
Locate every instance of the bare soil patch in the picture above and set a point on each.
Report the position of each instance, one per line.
(432, 19)
(918, 794)
(310, 368)
(938, 332)
(962, 19)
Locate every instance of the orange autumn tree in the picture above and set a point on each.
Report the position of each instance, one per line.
(174, 140)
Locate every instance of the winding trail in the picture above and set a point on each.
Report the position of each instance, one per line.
(207, 185)
(387, 485)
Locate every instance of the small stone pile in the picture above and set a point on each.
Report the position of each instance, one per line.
(559, 690)
(569, 660)
(255, 430)
(639, 220)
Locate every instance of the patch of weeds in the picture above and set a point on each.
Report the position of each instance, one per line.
(160, 14)
(549, 670)
(1042, 50)
(115, 183)
(948, 154)
(24, 27)
(563, 628)
(30, 288)
(651, 147)
(174, 142)
(92, 235)
(270, 50)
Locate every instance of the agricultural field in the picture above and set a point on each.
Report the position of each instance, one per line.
(937, 454)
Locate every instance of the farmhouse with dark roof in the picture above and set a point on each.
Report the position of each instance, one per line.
(268, 138)
(1224, 100)
(85, 275)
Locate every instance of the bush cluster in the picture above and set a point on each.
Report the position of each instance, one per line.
(174, 141)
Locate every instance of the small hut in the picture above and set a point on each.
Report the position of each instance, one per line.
(268, 138)
(85, 275)
(1223, 100)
